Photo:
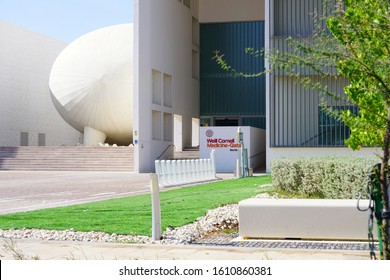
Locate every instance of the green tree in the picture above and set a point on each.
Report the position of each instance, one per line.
(352, 40)
(362, 28)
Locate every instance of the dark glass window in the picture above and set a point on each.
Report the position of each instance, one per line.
(332, 132)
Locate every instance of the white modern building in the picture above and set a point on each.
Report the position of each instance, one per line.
(167, 74)
(178, 87)
(27, 114)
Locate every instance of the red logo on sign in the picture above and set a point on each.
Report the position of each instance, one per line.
(209, 133)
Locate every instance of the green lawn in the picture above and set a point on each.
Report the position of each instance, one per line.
(132, 215)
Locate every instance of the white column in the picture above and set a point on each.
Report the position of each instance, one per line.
(93, 137)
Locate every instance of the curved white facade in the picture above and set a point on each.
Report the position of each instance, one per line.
(91, 83)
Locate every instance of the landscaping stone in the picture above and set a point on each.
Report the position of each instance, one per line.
(225, 217)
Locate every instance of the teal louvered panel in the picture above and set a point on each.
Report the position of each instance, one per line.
(222, 94)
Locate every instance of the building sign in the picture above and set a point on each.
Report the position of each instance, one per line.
(222, 143)
(214, 142)
(224, 140)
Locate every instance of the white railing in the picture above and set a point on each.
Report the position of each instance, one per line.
(178, 172)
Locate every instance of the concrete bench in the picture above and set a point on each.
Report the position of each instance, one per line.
(313, 219)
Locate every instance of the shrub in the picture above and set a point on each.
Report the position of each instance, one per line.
(290, 177)
(335, 177)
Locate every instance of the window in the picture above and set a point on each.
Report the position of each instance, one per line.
(332, 132)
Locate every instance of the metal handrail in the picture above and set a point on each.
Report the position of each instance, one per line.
(170, 145)
(258, 154)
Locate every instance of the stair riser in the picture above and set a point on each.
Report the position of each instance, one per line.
(67, 158)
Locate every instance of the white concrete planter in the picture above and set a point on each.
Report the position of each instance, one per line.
(314, 219)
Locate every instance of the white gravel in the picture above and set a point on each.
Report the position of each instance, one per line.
(225, 217)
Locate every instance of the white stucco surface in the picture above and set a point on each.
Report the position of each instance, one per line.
(25, 106)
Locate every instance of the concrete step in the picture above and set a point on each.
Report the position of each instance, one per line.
(187, 153)
(191, 148)
(67, 158)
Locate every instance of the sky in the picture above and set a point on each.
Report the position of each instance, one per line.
(66, 20)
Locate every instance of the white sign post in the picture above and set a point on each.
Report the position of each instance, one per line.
(156, 212)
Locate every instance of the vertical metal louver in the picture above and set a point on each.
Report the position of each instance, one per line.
(296, 118)
(221, 94)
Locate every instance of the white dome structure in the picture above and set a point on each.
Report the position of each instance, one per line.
(91, 84)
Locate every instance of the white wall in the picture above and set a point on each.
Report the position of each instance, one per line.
(230, 10)
(26, 59)
(163, 42)
(178, 133)
(195, 132)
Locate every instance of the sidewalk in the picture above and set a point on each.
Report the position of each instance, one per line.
(57, 250)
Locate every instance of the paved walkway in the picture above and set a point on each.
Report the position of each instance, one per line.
(31, 190)
(58, 250)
